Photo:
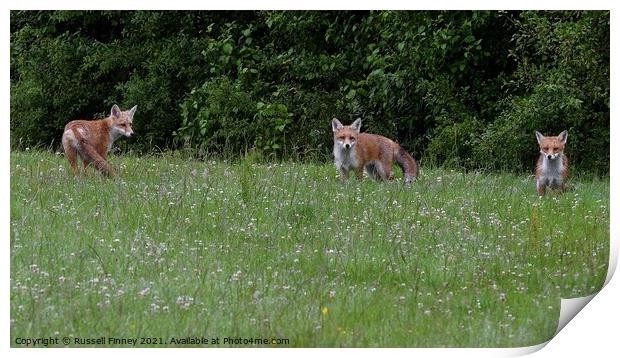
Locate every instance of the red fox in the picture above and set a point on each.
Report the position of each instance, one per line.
(370, 152)
(552, 166)
(92, 140)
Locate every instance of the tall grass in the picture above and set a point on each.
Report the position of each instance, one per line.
(175, 248)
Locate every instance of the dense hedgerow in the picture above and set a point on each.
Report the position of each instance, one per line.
(457, 88)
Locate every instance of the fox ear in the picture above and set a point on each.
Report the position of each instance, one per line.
(563, 137)
(116, 112)
(336, 124)
(539, 137)
(357, 125)
(132, 111)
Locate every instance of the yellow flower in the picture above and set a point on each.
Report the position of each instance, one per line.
(325, 311)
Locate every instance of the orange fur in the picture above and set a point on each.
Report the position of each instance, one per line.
(92, 140)
(374, 153)
(552, 165)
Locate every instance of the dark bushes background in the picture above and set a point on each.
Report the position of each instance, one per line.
(460, 89)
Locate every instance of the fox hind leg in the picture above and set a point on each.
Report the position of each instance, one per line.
(85, 164)
(384, 170)
(70, 153)
(91, 156)
(371, 171)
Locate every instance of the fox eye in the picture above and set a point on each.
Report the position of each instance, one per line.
(555, 148)
(546, 148)
(340, 138)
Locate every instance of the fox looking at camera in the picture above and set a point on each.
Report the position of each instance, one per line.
(93, 139)
(369, 152)
(552, 166)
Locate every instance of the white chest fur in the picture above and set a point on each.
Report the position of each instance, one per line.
(344, 159)
(551, 171)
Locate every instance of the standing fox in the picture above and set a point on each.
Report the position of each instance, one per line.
(552, 167)
(370, 152)
(92, 140)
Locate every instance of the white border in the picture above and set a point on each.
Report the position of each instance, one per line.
(593, 331)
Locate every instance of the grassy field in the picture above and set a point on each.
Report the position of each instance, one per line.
(175, 248)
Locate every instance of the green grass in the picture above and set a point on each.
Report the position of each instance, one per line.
(175, 248)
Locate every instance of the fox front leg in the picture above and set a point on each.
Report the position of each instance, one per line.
(344, 174)
(359, 172)
(540, 188)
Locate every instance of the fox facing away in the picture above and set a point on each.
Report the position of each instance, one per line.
(552, 167)
(369, 152)
(93, 139)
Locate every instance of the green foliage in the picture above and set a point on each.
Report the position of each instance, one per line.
(272, 121)
(217, 117)
(456, 88)
(562, 80)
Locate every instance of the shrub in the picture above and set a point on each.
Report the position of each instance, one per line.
(456, 88)
(218, 117)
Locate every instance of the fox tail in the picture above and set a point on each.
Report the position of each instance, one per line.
(406, 162)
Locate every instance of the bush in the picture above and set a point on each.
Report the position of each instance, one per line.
(563, 82)
(218, 117)
(456, 88)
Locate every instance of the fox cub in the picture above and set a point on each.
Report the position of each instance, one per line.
(369, 152)
(93, 139)
(552, 167)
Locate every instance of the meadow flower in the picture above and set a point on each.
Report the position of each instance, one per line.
(235, 276)
(34, 268)
(184, 302)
